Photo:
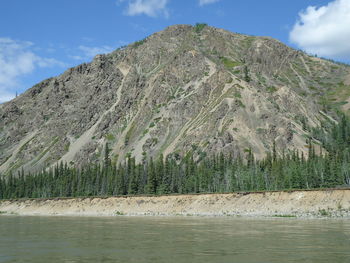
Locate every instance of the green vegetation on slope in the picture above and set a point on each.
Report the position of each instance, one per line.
(230, 63)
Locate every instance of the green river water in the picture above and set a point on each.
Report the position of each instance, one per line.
(177, 239)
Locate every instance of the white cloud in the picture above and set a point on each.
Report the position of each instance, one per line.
(152, 8)
(90, 52)
(76, 57)
(206, 2)
(324, 30)
(18, 59)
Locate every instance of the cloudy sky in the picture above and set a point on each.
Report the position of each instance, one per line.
(42, 38)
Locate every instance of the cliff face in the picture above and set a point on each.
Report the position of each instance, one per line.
(184, 88)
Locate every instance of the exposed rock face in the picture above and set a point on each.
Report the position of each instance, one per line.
(178, 90)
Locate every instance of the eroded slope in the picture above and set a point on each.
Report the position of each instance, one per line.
(181, 89)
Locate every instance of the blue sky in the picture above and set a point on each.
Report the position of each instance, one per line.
(42, 38)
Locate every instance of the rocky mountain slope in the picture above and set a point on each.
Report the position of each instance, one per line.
(185, 88)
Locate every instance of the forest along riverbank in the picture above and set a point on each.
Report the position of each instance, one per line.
(318, 203)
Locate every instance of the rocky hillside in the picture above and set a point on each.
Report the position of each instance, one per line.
(185, 88)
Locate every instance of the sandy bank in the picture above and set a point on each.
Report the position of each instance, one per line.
(335, 203)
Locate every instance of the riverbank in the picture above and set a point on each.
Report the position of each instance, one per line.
(318, 203)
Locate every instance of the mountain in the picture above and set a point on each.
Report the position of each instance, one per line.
(185, 88)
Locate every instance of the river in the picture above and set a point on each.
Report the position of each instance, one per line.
(173, 239)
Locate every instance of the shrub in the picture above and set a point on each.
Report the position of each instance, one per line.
(323, 212)
(271, 89)
(139, 43)
(237, 94)
(110, 137)
(199, 27)
(118, 213)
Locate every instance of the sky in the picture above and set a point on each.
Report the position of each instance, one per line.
(42, 38)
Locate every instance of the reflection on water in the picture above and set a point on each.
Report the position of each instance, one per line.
(162, 239)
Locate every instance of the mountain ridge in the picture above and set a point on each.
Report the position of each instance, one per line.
(183, 89)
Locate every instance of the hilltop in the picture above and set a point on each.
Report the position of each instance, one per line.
(185, 88)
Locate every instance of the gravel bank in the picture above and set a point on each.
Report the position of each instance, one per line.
(320, 203)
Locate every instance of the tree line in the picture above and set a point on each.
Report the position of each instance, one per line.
(194, 174)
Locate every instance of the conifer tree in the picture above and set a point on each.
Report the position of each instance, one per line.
(152, 178)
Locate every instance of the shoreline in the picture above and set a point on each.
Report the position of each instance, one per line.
(329, 203)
